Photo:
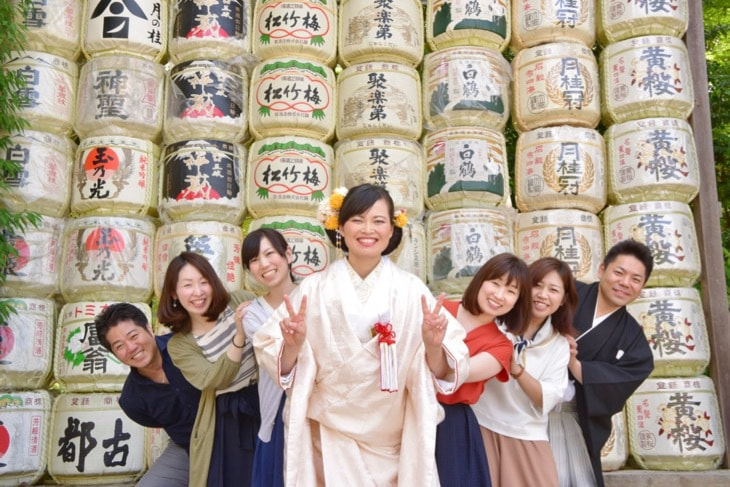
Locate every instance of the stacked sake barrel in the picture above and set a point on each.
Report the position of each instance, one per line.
(203, 163)
(292, 117)
(560, 157)
(379, 115)
(652, 174)
(45, 154)
(466, 105)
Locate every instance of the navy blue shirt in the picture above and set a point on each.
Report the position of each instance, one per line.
(172, 406)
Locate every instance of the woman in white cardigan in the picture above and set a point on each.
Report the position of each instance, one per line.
(513, 415)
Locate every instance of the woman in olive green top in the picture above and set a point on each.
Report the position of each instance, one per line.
(209, 347)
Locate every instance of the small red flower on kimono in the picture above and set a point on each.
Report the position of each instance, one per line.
(388, 357)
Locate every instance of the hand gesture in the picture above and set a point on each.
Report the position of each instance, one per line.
(294, 327)
(240, 313)
(433, 329)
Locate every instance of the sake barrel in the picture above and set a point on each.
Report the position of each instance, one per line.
(388, 30)
(460, 241)
(535, 23)
(410, 255)
(573, 236)
(667, 228)
(218, 242)
(466, 167)
(452, 23)
(617, 20)
(107, 257)
(310, 246)
(54, 27)
(292, 97)
(202, 179)
(560, 167)
(136, 27)
(288, 175)
(674, 325)
(675, 424)
(378, 99)
(120, 95)
(556, 84)
(306, 28)
(24, 429)
(651, 158)
(466, 86)
(48, 97)
(43, 182)
(206, 99)
(214, 29)
(81, 362)
(644, 77)
(94, 441)
(115, 175)
(615, 451)
(34, 272)
(26, 344)
(391, 162)
(156, 441)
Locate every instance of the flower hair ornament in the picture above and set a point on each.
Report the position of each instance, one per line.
(329, 211)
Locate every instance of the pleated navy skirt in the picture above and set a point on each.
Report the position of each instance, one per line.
(268, 462)
(460, 455)
(236, 428)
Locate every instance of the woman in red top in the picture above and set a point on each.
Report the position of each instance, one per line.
(500, 289)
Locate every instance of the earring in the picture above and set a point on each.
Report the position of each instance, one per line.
(174, 303)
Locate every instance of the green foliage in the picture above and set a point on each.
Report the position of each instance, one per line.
(11, 224)
(717, 46)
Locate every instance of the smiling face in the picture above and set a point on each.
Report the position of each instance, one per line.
(547, 296)
(497, 297)
(133, 345)
(193, 291)
(621, 281)
(269, 267)
(367, 235)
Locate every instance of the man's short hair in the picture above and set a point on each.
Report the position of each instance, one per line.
(635, 249)
(113, 315)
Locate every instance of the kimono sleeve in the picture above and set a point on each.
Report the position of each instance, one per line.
(607, 385)
(198, 370)
(456, 351)
(268, 342)
(554, 378)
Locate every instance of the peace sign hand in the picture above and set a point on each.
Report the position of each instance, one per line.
(294, 327)
(433, 329)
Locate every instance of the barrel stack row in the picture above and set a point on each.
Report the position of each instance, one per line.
(262, 108)
(644, 166)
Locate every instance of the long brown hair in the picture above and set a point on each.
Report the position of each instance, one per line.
(515, 269)
(170, 312)
(562, 319)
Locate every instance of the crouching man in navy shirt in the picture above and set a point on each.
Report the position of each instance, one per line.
(155, 393)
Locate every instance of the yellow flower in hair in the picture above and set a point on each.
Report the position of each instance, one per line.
(337, 197)
(331, 223)
(401, 219)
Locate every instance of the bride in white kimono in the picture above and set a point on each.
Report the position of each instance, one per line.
(362, 358)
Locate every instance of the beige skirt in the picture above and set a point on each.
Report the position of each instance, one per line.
(519, 463)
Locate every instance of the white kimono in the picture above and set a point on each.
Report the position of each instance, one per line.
(341, 429)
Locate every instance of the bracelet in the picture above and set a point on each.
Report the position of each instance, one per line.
(518, 374)
(233, 341)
